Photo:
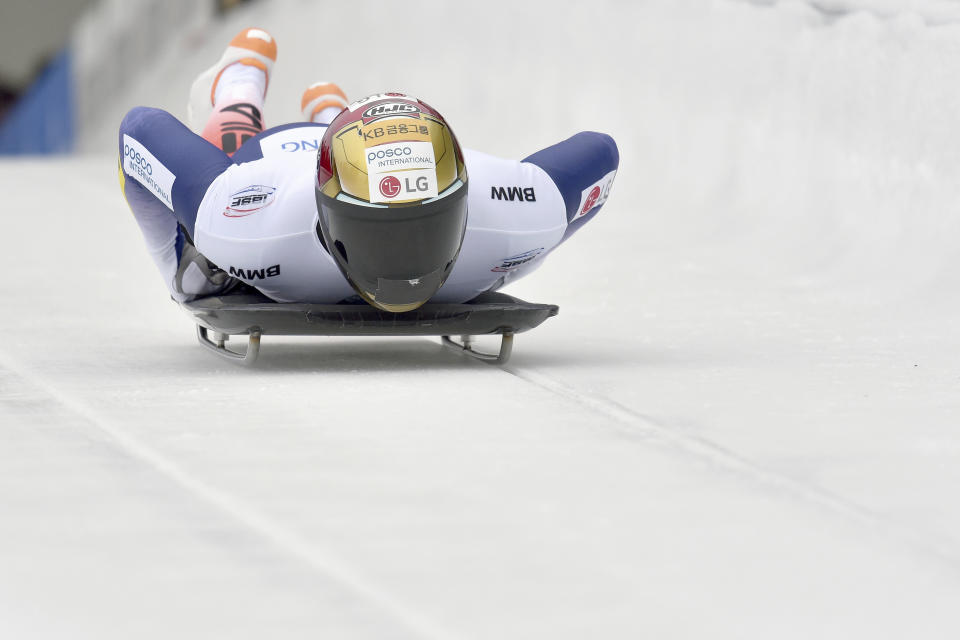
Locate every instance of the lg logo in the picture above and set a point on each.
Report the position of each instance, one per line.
(591, 200)
(390, 187)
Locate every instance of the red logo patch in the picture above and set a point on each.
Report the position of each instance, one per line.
(390, 186)
(591, 200)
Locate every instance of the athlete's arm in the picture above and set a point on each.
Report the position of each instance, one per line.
(519, 211)
(582, 168)
(165, 170)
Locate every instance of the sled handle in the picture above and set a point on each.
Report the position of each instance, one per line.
(218, 346)
(506, 348)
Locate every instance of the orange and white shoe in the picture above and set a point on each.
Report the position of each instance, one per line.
(253, 47)
(322, 101)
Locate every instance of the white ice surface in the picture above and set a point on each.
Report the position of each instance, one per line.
(745, 422)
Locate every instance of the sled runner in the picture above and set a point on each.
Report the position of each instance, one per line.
(253, 315)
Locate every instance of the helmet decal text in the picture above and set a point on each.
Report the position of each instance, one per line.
(410, 167)
(384, 110)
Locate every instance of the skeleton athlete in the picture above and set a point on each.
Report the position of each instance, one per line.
(373, 198)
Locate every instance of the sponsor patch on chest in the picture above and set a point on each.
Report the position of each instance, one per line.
(517, 261)
(260, 273)
(519, 194)
(249, 200)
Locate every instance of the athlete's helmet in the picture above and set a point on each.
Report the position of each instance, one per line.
(392, 199)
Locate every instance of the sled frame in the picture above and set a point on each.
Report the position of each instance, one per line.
(253, 315)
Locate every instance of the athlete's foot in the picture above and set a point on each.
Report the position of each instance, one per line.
(322, 102)
(226, 100)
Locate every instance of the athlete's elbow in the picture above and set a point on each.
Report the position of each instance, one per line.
(140, 119)
(604, 149)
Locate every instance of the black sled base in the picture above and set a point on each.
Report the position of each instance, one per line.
(254, 315)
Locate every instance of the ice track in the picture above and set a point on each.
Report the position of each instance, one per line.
(743, 424)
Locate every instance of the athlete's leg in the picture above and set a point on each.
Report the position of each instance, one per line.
(322, 102)
(238, 111)
(226, 100)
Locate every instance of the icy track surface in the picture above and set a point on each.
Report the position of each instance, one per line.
(745, 422)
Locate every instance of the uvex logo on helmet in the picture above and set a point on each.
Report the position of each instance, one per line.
(390, 110)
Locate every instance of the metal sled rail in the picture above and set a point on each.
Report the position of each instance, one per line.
(253, 315)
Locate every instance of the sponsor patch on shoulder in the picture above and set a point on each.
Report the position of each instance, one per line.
(249, 200)
(594, 195)
(517, 261)
(143, 166)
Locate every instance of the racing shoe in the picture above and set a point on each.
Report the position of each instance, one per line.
(251, 48)
(321, 102)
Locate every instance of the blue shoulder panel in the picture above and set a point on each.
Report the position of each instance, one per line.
(575, 164)
(250, 150)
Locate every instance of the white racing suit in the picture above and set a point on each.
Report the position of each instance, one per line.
(211, 221)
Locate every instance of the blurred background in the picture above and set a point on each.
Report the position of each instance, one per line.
(61, 61)
(32, 35)
(743, 423)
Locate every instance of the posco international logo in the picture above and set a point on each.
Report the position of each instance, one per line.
(393, 152)
(137, 159)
